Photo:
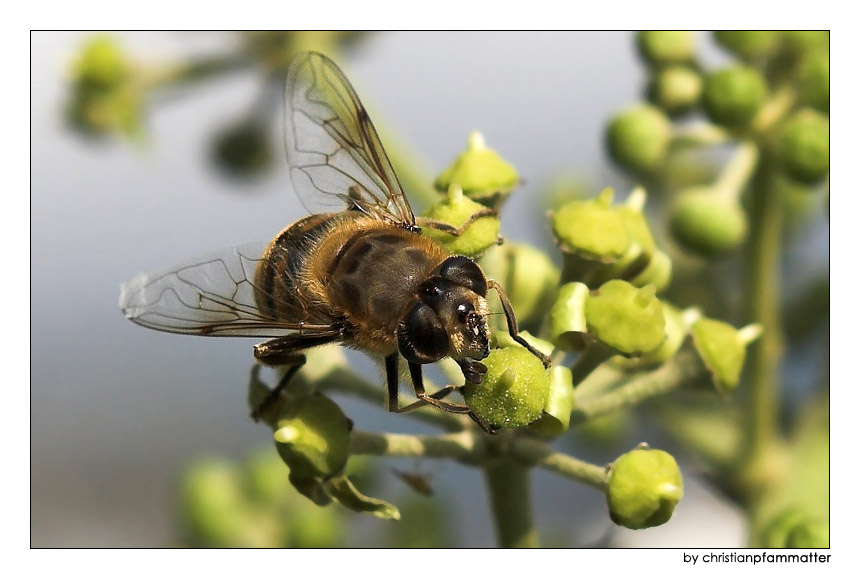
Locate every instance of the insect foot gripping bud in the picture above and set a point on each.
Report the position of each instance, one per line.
(513, 392)
(455, 210)
(312, 436)
(643, 488)
(675, 89)
(733, 96)
(722, 348)
(660, 47)
(706, 223)
(749, 44)
(627, 319)
(639, 138)
(804, 147)
(481, 172)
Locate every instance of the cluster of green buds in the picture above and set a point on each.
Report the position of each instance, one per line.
(106, 97)
(775, 102)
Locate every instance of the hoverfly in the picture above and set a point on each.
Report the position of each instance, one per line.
(356, 271)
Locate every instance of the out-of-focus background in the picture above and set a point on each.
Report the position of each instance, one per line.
(118, 412)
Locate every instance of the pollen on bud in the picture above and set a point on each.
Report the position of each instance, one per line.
(481, 172)
(643, 488)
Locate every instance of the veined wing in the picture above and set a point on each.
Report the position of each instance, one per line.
(214, 295)
(336, 159)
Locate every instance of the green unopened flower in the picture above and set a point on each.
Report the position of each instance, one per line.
(529, 277)
(659, 47)
(675, 89)
(750, 44)
(567, 317)
(481, 172)
(591, 229)
(639, 138)
(644, 486)
(678, 326)
(657, 273)
(243, 150)
(707, 223)
(804, 147)
(513, 392)
(723, 349)
(626, 318)
(455, 210)
(733, 96)
(813, 81)
(794, 528)
(312, 436)
(556, 415)
(640, 248)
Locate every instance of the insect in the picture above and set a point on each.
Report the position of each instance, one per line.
(356, 271)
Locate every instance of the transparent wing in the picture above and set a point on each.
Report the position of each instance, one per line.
(215, 295)
(336, 159)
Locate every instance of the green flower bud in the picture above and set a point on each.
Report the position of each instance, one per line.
(481, 172)
(805, 41)
(814, 81)
(591, 229)
(804, 147)
(243, 150)
(723, 349)
(567, 317)
(455, 210)
(707, 223)
(102, 65)
(733, 96)
(678, 325)
(675, 89)
(660, 47)
(625, 318)
(529, 277)
(312, 436)
(556, 417)
(643, 488)
(513, 392)
(638, 253)
(639, 138)
(658, 273)
(749, 44)
(794, 528)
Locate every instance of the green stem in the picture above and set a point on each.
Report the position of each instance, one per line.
(737, 172)
(763, 254)
(510, 500)
(536, 453)
(193, 70)
(466, 447)
(593, 356)
(682, 370)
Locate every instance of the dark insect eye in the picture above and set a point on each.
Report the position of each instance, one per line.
(421, 336)
(433, 291)
(465, 272)
(463, 311)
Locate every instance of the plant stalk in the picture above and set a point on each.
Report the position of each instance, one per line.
(510, 500)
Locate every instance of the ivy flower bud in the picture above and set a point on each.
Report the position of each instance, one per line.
(455, 210)
(243, 150)
(733, 96)
(675, 89)
(312, 436)
(678, 326)
(529, 277)
(804, 147)
(101, 65)
(813, 81)
(643, 488)
(513, 392)
(556, 416)
(793, 528)
(749, 44)
(481, 172)
(625, 318)
(658, 272)
(722, 348)
(659, 47)
(707, 223)
(639, 138)
(591, 229)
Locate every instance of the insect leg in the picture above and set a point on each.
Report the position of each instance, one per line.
(456, 231)
(513, 329)
(392, 377)
(286, 351)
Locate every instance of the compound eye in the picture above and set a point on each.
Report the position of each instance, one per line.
(434, 291)
(421, 337)
(464, 311)
(465, 272)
